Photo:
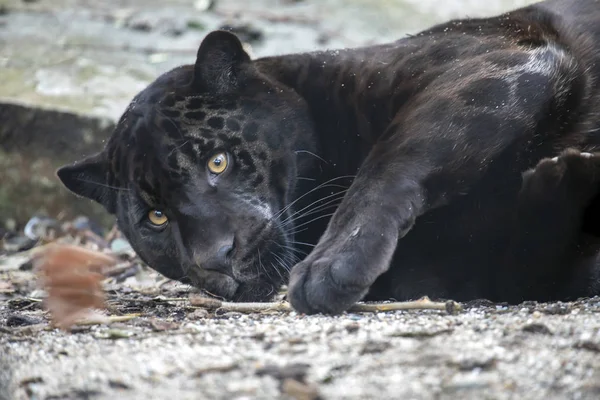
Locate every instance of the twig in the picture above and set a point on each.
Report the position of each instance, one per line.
(100, 320)
(451, 307)
(214, 304)
(33, 299)
(119, 269)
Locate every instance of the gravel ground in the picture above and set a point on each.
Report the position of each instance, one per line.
(533, 351)
(90, 57)
(173, 349)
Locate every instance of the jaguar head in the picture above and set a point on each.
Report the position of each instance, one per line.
(200, 170)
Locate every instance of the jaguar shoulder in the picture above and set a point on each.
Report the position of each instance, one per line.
(388, 171)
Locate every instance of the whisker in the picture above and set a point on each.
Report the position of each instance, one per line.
(295, 232)
(312, 154)
(260, 265)
(178, 147)
(304, 244)
(311, 221)
(321, 186)
(281, 264)
(294, 251)
(341, 194)
(291, 248)
(312, 212)
(277, 270)
(103, 185)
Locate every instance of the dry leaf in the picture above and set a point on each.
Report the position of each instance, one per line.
(71, 276)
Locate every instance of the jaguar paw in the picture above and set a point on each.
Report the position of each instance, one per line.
(324, 285)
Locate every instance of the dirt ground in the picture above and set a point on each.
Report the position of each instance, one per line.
(176, 350)
(89, 58)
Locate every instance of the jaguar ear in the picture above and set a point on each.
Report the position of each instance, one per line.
(219, 62)
(88, 178)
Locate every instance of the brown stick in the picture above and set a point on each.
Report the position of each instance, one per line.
(451, 307)
(106, 320)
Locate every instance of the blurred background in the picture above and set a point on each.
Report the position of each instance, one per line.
(68, 69)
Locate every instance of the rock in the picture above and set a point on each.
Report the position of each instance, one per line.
(205, 5)
(15, 243)
(295, 371)
(34, 142)
(299, 390)
(83, 223)
(40, 227)
(121, 246)
(371, 347)
(537, 328)
(588, 345)
(22, 320)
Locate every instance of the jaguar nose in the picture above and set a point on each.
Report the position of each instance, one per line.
(220, 260)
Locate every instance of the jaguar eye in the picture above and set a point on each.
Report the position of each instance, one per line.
(218, 163)
(157, 218)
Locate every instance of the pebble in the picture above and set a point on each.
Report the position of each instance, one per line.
(537, 328)
(17, 243)
(22, 320)
(121, 246)
(40, 227)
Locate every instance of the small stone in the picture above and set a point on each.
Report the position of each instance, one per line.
(118, 384)
(6, 287)
(205, 5)
(296, 371)
(352, 327)
(215, 369)
(21, 320)
(422, 333)
(557, 309)
(198, 314)
(31, 380)
(374, 347)
(159, 325)
(158, 58)
(10, 224)
(21, 303)
(466, 382)
(141, 25)
(195, 25)
(40, 227)
(537, 328)
(17, 243)
(299, 390)
(26, 266)
(258, 336)
(121, 246)
(468, 364)
(588, 345)
(83, 223)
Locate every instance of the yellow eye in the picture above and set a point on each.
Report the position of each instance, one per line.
(157, 218)
(217, 163)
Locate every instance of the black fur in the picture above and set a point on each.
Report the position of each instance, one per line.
(432, 155)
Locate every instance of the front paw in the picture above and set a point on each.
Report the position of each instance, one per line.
(327, 284)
